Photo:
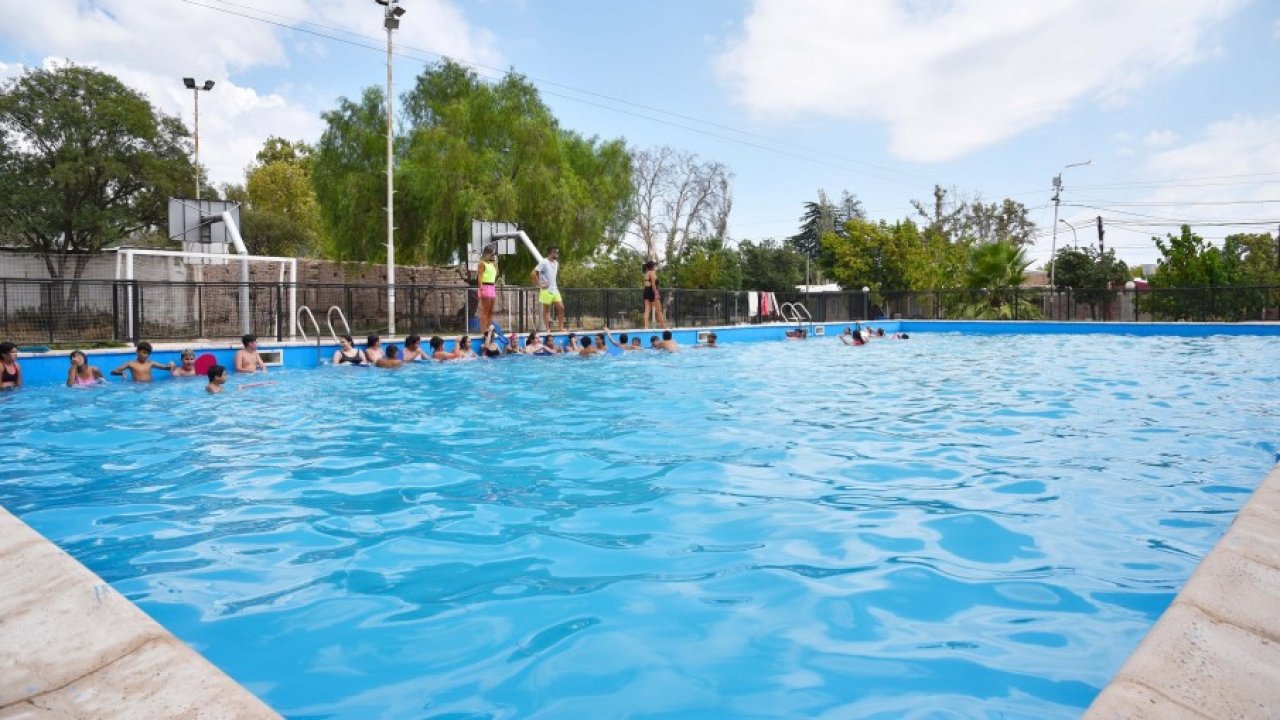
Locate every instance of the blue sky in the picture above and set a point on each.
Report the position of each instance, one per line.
(1174, 101)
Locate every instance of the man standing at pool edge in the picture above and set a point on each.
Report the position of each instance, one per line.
(545, 275)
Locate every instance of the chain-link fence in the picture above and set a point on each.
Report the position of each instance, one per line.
(104, 311)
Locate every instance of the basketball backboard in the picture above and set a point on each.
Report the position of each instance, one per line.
(198, 225)
(482, 232)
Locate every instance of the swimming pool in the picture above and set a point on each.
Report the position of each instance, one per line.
(955, 523)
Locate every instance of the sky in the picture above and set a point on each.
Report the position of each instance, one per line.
(1173, 103)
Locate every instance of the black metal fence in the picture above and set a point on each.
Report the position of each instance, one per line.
(96, 311)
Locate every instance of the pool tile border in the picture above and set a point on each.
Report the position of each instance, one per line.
(71, 646)
(1215, 653)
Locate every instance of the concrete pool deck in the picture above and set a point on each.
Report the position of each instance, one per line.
(72, 647)
(1215, 652)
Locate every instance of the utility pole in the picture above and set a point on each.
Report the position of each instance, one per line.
(1101, 244)
(1106, 270)
(1057, 198)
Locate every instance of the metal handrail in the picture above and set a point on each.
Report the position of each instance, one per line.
(314, 324)
(328, 319)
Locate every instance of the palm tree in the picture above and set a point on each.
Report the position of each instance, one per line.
(996, 270)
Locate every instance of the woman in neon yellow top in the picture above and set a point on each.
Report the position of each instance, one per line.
(488, 273)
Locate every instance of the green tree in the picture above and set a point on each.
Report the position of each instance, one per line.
(467, 150)
(617, 267)
(1253, 271)
(282, 216)
(84, 161)
(1094, 277)
(996, 271)
(705, 263)
(1187, 262)
(770, 266)
(349, 177)
(892, 258)
(822, 217)
(1006, 220)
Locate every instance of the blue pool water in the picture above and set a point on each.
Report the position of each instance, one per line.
(955, 525)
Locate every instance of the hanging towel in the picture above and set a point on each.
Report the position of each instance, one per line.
(764, 305)
(753, 304)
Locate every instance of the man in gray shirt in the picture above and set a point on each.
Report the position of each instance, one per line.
(545, 275)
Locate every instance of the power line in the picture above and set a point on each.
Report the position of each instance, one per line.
(1177, 203)
(498, 73)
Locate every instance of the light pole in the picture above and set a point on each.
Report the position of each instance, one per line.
(1075, 239)
(1057, 198)
(866, 298)
(190, 84)
(391, 12)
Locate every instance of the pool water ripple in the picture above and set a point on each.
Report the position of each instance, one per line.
(952, 525)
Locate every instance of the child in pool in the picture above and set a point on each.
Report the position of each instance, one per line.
(82, 374)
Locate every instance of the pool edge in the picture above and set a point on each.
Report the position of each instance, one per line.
(71, 646)
(1215, 652)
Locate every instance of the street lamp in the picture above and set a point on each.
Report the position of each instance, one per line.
(866, 295)
(391, 13)
(190, 84)
(1075, 239)
(1057, 197)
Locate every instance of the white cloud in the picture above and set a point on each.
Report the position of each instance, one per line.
(1224, 176)
(951, 76)
(8, 70)
(152, 45)
(1160, 138)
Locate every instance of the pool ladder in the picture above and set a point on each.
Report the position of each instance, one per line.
(796, 313)
(328, 321)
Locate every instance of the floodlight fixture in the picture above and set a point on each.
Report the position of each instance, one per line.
(397, 11)
(208, 84)
(190, 83)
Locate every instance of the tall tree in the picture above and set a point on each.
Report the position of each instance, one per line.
(706, 263)
(1006, 220)
(282, 216)
(349, 176)
(770, 266)
(822, 217)
(945, 215)
(1187, 262)
(677, 197)
(84, 161)
(467, 150)
(1091, 274)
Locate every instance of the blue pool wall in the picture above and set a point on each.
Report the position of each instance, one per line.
(50, 368)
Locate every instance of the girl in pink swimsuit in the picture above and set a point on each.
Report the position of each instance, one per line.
(82, 374)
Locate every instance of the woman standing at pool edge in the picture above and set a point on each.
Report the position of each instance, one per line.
(652, 296)
(487, 272)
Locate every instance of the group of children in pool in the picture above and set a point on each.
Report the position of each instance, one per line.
(247, 360)
(139, 369)
(493, 345)
(861, 336)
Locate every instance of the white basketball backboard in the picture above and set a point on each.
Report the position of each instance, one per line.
(198, 225)
(482, 232)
